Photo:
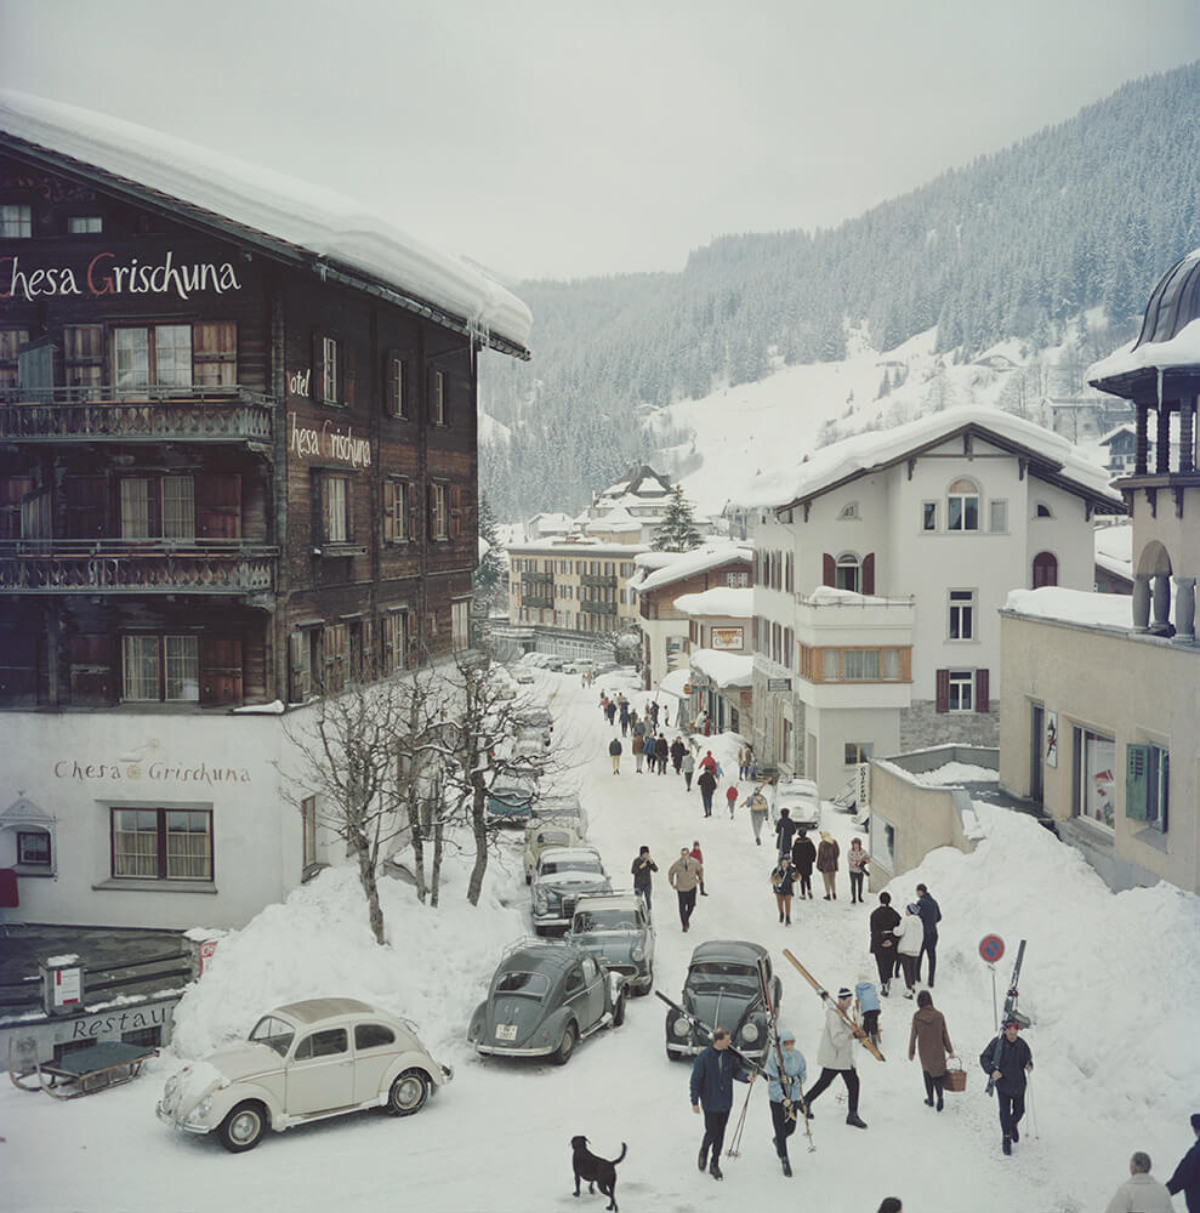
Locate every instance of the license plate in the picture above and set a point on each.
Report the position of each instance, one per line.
(506, 1031)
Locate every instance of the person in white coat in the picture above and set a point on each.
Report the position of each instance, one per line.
(1141, 1192)
(836, 1056)
(909, 939)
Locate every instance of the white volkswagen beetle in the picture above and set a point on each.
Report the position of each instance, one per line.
(303, 1062)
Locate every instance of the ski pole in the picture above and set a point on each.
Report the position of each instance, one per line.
(1033, 1123)
(734, 1146)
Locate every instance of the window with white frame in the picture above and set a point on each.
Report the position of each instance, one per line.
(998, 516)
(395, 641)
(395, 511)
(962, 691)
(848, 572)
(1094, 762)
(962, 614)
(437, 398)
(160, 668)
(308, 822)
(336, 508)
(929, 515)
(35, 848)
(460, 624)
(962, 506)
(161, 844)
(157, 356)
(16, 221)
(84, 225)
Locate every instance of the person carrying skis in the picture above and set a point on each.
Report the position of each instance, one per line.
(827, 863)
(804, 855)
(614, 752)
(707, 783)
(930, 1038)
(783, 876)
(756, 802)
(1008, 1060)
(931, 915)
(908, 946)
(785, 831)
(785, 1089)
(884, 920)
(836, 1055)
(713, 1074)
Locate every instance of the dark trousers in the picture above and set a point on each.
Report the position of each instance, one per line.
(1012, 1108)
(849, 1077)
(910, 966)
(785, 1126)
(644, 892)
(870, 1023)
(928, 948)
(707, 798)
(687, 905)
(806, 884)
(885, 962)
(687, 778)
(934, 1086)
(856, 886)
(714, 1133)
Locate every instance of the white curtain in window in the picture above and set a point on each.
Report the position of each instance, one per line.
(179, 507)
(135, 843)
(183, 668)
(140, 662)
(135, 508)
(188, 846)
(131, 358)
(173, 355)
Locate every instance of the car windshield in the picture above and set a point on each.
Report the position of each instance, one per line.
(530, 985)
(721, 972)
(605, 920)
(570, 865)
(556, 838)
(275, 1033)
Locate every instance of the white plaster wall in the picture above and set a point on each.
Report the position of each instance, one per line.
(835, 727)
(75, 766)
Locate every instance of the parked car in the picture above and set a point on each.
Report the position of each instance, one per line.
(534, 716)
(722, 990)
(562, 808)
(303, 1062)
(511, 797)
(539, 835)
(562, 876)
(523, 677)
(802, 800)
(543, 1000)
(617, 929)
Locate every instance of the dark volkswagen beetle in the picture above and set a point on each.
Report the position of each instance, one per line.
(722, 990)
(544, 999)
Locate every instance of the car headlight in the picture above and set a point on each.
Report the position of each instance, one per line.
(638, 954)
(540, 903)
(171, 1089)
(200, 1113)
(681, 1027)
(750, 1033)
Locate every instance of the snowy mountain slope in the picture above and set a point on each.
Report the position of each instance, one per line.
(1111, 982)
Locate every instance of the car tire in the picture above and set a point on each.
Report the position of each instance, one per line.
(619, 1010)
(409, 1093)
(244, 1127)
(671, 1056)
(566, 1046)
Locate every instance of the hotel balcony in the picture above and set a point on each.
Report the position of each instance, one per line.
(119, 566)
(107, 414)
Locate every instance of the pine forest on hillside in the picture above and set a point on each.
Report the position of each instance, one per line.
(1084, 215)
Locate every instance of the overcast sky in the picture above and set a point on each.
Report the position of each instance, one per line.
(548, 138)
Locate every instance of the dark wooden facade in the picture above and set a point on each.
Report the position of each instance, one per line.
(226, 477)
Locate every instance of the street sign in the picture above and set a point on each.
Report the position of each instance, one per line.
(779, 684)
(991, 948)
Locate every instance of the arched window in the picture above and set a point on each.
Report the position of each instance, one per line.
(1045, 570)
(962, 506)
(848, 576)
(1043, 510)
(849, 510)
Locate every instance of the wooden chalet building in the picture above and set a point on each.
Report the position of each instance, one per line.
(238, 467)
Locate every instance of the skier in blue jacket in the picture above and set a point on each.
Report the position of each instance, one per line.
(784, 1115)
(713, 1073)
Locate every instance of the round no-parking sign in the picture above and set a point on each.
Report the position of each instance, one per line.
(991, 948)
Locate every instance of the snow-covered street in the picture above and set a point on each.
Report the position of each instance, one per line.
(1111, 982)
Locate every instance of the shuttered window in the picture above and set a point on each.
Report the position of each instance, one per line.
(1147, 784)
(395, 511)
(214, 354)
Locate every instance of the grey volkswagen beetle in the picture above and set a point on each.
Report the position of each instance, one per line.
(722, 990)
(617, 929)
(543, 1000)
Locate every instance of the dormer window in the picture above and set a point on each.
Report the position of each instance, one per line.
(84, 225)
(849, 510)
(962, 506)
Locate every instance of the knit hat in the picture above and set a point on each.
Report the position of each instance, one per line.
(913, 908)
(786, 1034)
(845, 992)
(1012, 1023)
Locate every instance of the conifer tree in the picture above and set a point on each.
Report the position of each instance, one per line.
(678, 530)
(489, 572)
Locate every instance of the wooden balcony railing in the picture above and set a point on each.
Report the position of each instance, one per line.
(107, 414)
(227, 567)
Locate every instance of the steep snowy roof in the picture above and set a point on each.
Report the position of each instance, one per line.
(313, 218)
(1073, 606)
(721, 600)
(573, 545)
(1114, 549)
(698, 560)
(725, 669)
(1053, 456)
(1124, 428)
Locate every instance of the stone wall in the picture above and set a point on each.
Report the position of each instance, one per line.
(922, 726)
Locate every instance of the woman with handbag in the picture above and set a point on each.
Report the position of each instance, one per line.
(783, 878)
(930, 1038)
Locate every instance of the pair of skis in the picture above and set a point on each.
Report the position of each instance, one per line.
(1010, 1012)
(777, 1048)
(862, 1037)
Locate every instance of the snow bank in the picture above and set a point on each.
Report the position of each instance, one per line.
(721, 600)
(953, 774)
(1072, 606)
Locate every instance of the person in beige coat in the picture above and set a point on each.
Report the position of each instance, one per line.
(930, 1038)
(836, 1055)
(827, 863)
(686, 874)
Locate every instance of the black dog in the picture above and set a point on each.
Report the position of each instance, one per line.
(596, 1170)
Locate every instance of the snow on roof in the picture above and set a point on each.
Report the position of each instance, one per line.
(317, 219)
(879, 448)
(545, 521)
(581, 544)
(725, 669)
(687, 564)
(721, 600)
(1125, 427)
(675, 681)
(1073, 606)
(1114, 548)
(1182, 350)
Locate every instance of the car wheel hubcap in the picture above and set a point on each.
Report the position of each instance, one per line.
(408, 1093)
(244, 1127)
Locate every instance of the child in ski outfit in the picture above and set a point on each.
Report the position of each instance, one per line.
(785, 1113)
(731, 796)
(866, 1000)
